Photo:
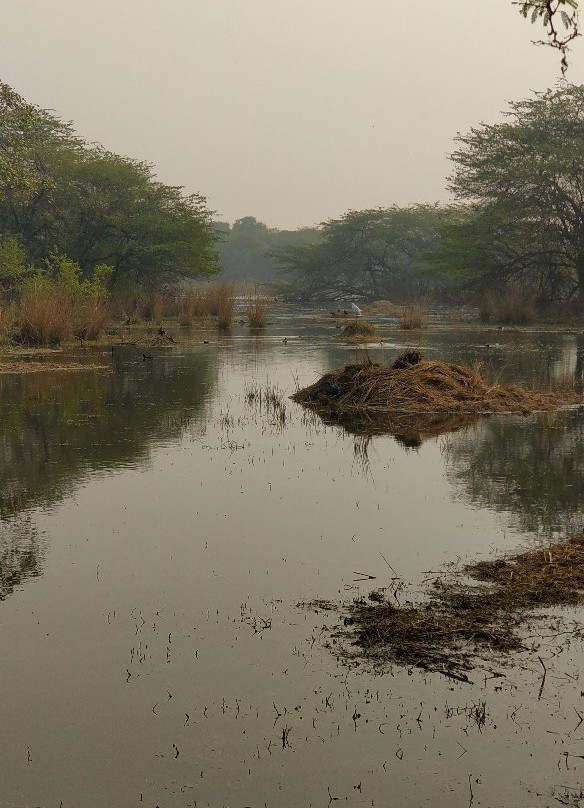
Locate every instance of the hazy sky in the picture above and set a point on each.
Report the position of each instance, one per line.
(292, 111)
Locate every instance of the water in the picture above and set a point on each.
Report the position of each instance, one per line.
(159, 533)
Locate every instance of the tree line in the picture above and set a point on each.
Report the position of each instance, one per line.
(516, 222)
(63, 197)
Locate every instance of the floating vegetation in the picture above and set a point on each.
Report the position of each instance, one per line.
(462, 623)
(421, 386)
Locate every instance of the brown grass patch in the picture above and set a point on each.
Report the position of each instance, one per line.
(413, 318)
(459, 623)
(360, 331)
(20, 366)
(256, 309)
(424, 387)
(382, 307)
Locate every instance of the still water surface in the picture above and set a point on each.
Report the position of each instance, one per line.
(159, 532)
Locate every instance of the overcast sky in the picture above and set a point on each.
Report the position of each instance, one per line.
(293, 111)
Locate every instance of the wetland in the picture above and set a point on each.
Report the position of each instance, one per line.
(183, 548)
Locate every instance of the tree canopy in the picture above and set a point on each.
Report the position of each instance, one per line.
(58, 192)
(521, 185)
(372, 254)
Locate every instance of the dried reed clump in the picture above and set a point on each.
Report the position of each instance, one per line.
(450, 631)
(220, 302)
(512, 308)
(45, 317)
(413, 318)
(256, 309)
(360, 331)
(90, 319)
(151, 307)
(429, 387)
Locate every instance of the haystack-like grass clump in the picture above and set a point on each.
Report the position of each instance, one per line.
(421, 386)
(360, 331)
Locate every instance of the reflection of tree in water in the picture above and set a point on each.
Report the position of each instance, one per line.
(20, 556)
(532, 468)
(57, 427)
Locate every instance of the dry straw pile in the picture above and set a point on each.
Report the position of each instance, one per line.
(414, 385)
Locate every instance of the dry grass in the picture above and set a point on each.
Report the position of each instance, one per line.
(461, 622)
(413, 318)
(256, 309)
(424, 387)
(90, 319)
(360, 331)
(382, 307)
(45, 317)
(511, 308)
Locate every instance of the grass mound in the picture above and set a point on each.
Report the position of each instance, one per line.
(421, 386)
(360, 331)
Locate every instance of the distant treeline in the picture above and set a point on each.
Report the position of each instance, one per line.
(512, 239)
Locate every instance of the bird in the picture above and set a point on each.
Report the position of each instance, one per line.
(356, 310)
(331, 389)
(162, 332)
(285, 340)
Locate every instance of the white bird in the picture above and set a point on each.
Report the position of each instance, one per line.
(356, 310)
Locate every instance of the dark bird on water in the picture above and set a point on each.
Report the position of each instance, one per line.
(146, 356)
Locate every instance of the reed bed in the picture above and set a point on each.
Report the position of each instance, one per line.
(422, 387)
(256, 309)
(413, 318)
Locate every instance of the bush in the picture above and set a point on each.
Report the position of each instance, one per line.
(57, 303)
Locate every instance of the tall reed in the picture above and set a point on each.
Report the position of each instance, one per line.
(413, 318)
(256, 308)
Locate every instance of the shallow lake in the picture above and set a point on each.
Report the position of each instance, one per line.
(161, 530)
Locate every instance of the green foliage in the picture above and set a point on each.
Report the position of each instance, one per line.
(559, 19)
(522, 182)
(373, 254)
(58, 193)
(13, 267)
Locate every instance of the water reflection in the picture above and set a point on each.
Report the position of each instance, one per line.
(530, 467)
(20, 554)
(56, 428)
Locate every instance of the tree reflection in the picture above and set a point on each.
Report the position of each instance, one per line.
(20, 555)
(534, 471)
(56, 428)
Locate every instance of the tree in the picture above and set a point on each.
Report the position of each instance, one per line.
(560, 22)
(59, 193)
(371, 254)
(522, 183)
